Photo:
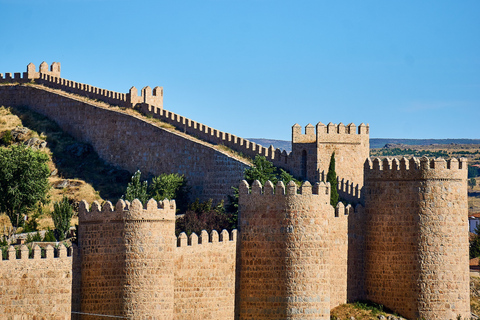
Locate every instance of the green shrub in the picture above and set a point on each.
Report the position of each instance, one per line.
(49, 236)
(36, 237)
(3, 241)
(136, 189)
(62, 216)
(203, 216)
(5, 253)
(7, 138)
(170, 186)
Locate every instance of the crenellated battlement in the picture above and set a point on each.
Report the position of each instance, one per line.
(31, 73)
(124, 211)
(147, 96)
(49, 252)
(214, 136)
(213, 238)
(50, 77)
(404, 245)
(320, 189)
(414, 168)
(349, 190)
(325, 132)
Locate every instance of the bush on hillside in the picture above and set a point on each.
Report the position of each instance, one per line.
(62, 216)
(23, 182)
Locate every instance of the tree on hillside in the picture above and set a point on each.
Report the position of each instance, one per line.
(170, 186)
(475, 244)
(62, 215)
(472, 182)
(332, 178)
(165, 186)
(203, 216)
(23, 181)
(263, 170)
(136, 189)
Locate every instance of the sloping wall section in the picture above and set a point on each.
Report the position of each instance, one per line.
(132, 143)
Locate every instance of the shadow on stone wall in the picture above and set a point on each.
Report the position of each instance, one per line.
(74, 159)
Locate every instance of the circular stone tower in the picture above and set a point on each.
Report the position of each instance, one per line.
(417, 237)
(127, 259)
(283, 268)
(149, 263)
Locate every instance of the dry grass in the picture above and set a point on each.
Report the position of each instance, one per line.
(8, 121)
(360, 311)
(149, 119)
(475, 295)
(474, 198)
(67, 166)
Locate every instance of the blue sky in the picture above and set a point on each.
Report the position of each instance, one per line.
(411, 69)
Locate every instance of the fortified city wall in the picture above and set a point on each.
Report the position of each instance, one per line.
(133, 265)
(36, 285)
(405, 247)
(51, 78)
(293, 252)
(311, 151)
(132, 143)
(204, 275)
(416, 259)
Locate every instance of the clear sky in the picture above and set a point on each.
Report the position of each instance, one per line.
(411, 69)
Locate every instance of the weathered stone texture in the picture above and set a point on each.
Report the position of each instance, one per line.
(284, 270)
(312, 150)
(36, 286)
(132, 143)
(127, 257)
(296, 258)
(204, 275)
(416, 243)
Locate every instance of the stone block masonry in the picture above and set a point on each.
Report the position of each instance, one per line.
(204, 276)
(132, 143)
(405, 245)
(416, 259)
(35, 286)
(133, 265)
(292, 265)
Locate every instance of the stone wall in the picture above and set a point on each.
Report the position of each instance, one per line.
(127, 259)
(284, 255)
(132, 143)
(416, 259)
(36, 287)
(204, 275)
(338, 248)
(312, 151)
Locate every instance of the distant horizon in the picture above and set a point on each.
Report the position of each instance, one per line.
(383, 139)
(255, 67)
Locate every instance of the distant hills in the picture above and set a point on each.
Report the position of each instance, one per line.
(374, 143)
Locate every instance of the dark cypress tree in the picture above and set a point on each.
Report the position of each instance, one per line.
(332, 178)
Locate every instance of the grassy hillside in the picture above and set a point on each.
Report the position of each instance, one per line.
(76, 170)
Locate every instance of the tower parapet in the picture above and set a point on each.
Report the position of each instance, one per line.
(121, 248)
(416, 260)
(312, 150)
